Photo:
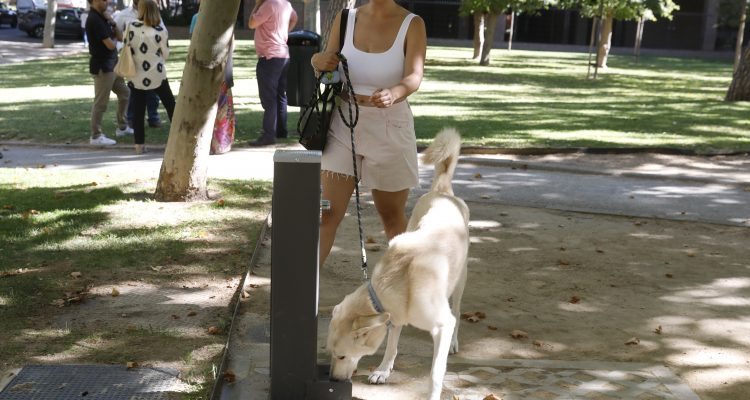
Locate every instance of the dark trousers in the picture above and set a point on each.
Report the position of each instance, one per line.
(271, 76)
(152, 106)
(164, 92)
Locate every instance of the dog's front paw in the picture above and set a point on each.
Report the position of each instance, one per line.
(454, 346)
(379, 377)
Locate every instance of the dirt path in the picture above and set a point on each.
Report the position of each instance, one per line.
(581, 286)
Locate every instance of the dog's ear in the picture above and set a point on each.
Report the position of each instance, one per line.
(336, 310)
(363, 325)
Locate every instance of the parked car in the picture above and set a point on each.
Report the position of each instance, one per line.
(67, 23)
(7, 16)
(24, 6)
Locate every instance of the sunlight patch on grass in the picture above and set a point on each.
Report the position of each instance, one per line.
(631, 139)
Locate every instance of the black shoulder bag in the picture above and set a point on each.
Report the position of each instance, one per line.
(315, 117)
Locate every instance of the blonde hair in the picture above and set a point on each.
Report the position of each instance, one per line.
(148, 12)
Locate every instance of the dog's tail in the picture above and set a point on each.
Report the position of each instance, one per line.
(443, 153)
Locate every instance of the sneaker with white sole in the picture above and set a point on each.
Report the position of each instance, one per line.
(124, 132)
(102, 141)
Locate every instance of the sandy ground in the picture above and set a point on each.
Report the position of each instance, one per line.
(581, 286)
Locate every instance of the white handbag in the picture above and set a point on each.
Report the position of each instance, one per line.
(125, 64)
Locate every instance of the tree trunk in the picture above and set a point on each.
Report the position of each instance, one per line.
(478, 34)
(605, 42)
(334, 6)
(312, 15)
(512, 28)
(592, 42)
(489, 38)
(739, 89)
(740, 36)
(49, 25)
(184, 168)
(639, 38)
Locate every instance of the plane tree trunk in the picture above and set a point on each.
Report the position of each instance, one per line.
(183, 172)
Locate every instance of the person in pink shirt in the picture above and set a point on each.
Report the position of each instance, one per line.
(272, 21)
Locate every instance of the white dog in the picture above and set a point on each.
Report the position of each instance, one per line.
(412, 282)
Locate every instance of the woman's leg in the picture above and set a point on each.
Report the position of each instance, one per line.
(139, 113)
(164, 91)
(391, 207)
(337, 189)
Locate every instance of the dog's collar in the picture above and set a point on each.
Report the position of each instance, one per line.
(376, 304)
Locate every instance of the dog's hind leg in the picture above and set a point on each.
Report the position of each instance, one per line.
(383, 371)
(441, 339)
(458, 293)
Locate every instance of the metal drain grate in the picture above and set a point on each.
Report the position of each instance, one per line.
(100, 382)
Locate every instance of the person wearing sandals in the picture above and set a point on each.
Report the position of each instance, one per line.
(385, 47)
(147, 40)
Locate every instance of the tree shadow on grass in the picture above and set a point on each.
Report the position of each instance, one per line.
(176, 267)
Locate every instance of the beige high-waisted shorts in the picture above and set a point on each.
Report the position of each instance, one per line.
(385, 146)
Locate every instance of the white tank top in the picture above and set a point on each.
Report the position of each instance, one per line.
(371, 71)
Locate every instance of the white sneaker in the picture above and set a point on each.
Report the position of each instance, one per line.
(102, 141)
(124, 132)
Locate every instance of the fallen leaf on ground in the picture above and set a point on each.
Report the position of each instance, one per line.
(491, 396)
(94, 183)
(563, 262)
(477, 176)
(492, 327)
(58, 302)
(658, 330)
(370, 239)
(76, 274)
(115, 292)
(131, 364)
(477, 315)
(157, 268)
(537, 343)
(192, 314)
(212, 330)
(229, 376)
(485, 197)
(220, 202)
(245, 294)
(174, 316)
(599, 251)
(373, 246)
(690, 253)
(633, 341)
(518, 334)
(8, 207)
(669, 275)
(575, 299)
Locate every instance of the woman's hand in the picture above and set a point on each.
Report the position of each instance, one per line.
(325, 61)
(382, 98)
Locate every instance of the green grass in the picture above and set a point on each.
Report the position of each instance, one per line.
(524, 99)
(108, 228)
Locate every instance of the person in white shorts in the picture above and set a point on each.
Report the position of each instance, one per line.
(385, 54)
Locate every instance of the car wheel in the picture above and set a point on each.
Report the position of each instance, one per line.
(39, 31)
(13, 24)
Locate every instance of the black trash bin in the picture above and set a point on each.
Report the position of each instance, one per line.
(301, 76)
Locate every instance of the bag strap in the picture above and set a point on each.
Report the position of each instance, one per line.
(342, 28)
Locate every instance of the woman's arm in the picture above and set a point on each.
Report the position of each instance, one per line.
(164, 44)
(415, 54)
(328, 60)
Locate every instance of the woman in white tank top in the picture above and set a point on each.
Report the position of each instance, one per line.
(385, 47)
